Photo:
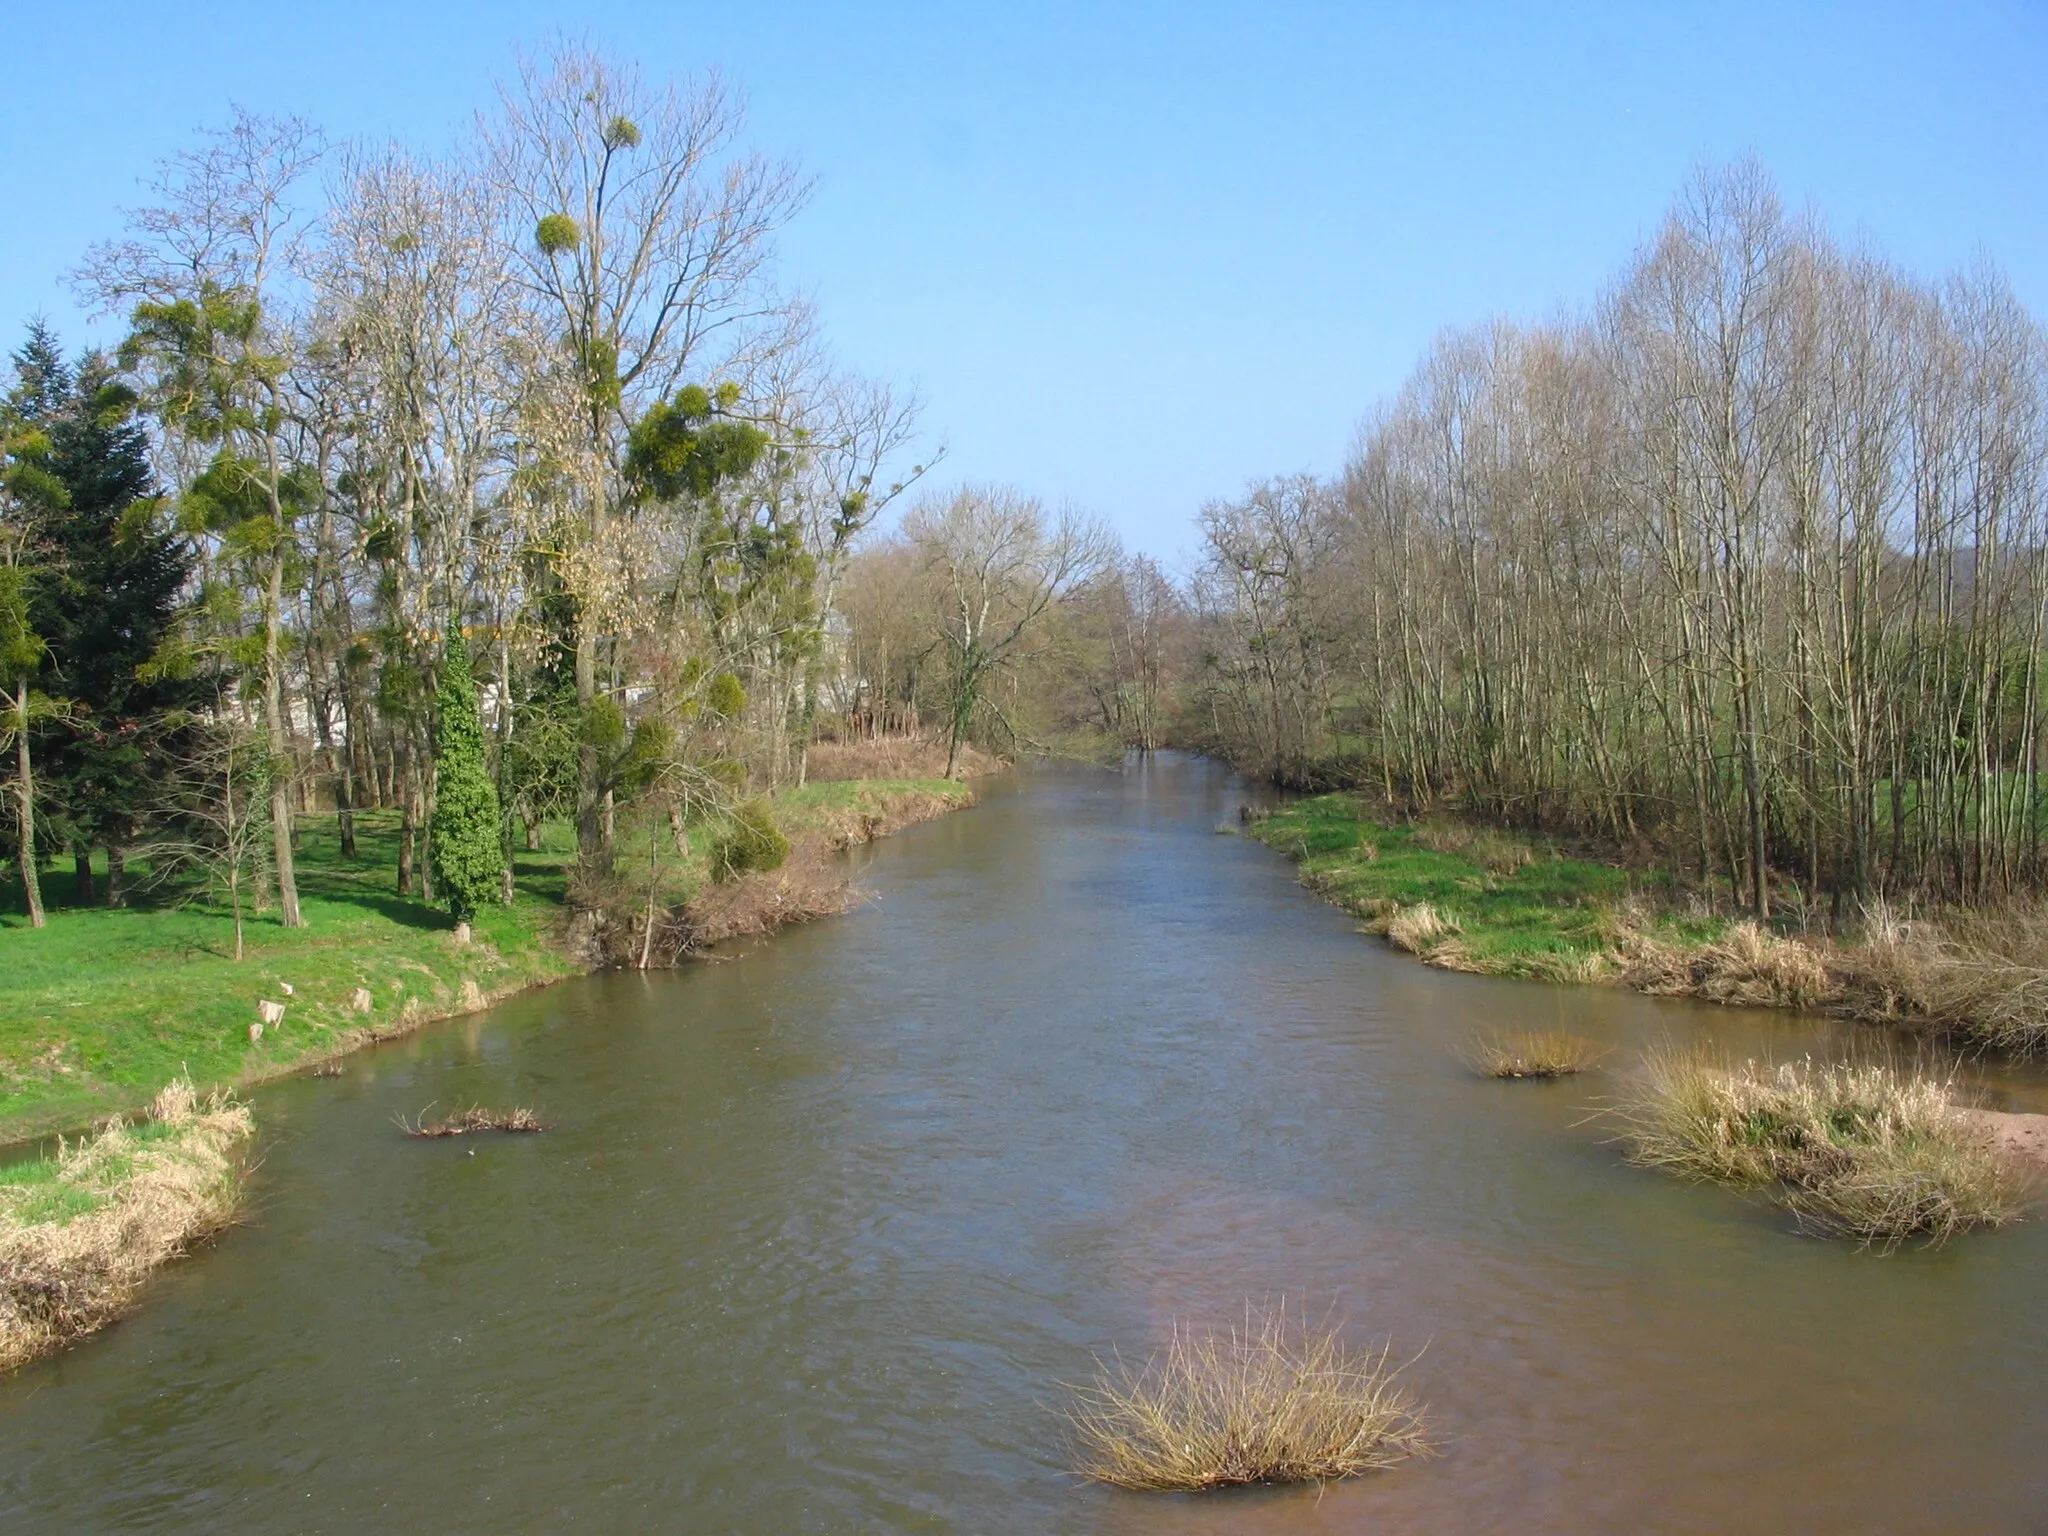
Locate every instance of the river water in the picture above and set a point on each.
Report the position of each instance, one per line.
(820, 1230)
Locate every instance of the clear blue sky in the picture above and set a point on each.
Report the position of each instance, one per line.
(1136, 255)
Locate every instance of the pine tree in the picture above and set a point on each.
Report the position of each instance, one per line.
(117, 578)
(468, 858)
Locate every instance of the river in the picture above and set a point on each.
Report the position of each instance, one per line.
(820, 1230)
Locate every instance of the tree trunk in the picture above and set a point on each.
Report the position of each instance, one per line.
(117, 875)
(407, 834)
(280, 751)
(81, 874)
(25, 799)
(593, 839)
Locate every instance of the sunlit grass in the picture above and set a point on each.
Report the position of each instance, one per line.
(106, 1004)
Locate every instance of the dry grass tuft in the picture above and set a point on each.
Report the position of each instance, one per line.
(1584, 969)
(1746, 966)
(1981, 976)
(891, 757)
(1494, 851)
(81, 1231)
(1532, 1053)
(466, 1122)
(1866, 1151)
(1420, 928)
(1452, 955)
(1272, 1401)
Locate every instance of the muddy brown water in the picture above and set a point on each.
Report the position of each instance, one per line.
(820, 1231)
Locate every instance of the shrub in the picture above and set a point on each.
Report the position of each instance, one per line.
(750, 841)
(1272, 1401)
(1866, 1151)
(1532, 1053)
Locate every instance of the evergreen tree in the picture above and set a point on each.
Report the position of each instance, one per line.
(31, 496)
(117, 579)
(469, 860)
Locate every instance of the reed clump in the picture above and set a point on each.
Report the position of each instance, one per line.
(1420, 928)
(1274, 1400)
(1746, 966)
(1535, 1053)
(467, 1122)
(1494, 851)
(1867, 1151)
(80, 1231)
(1981, 977)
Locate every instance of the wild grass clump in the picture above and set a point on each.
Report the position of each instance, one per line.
(1272, 1401)
(1865, 1151)
(1495, 852)
(1981, 977)
(1746, 966)
(80, 1231)
(466, 1122)
(1420, 928)
(1514, 1053)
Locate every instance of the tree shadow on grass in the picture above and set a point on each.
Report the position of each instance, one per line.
(402, 911)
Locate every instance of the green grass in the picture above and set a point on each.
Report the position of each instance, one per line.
(104, 1006)
(1520, 908)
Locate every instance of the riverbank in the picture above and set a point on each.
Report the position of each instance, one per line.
(1477, 899)
(83, 1228)
(106, 1005)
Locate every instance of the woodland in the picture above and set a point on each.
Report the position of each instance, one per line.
(505, 486)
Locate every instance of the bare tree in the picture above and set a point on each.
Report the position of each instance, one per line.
(644, 240)
(996, 564)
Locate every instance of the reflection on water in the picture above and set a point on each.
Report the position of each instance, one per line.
(820, 1231)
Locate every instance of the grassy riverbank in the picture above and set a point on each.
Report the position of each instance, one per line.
(1462, 897)
(82, 1228)
(1476, 899)
(105, 1006)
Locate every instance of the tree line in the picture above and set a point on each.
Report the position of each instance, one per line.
(506, 487)
(496, 487)
(537, 400)
(1747, 563)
